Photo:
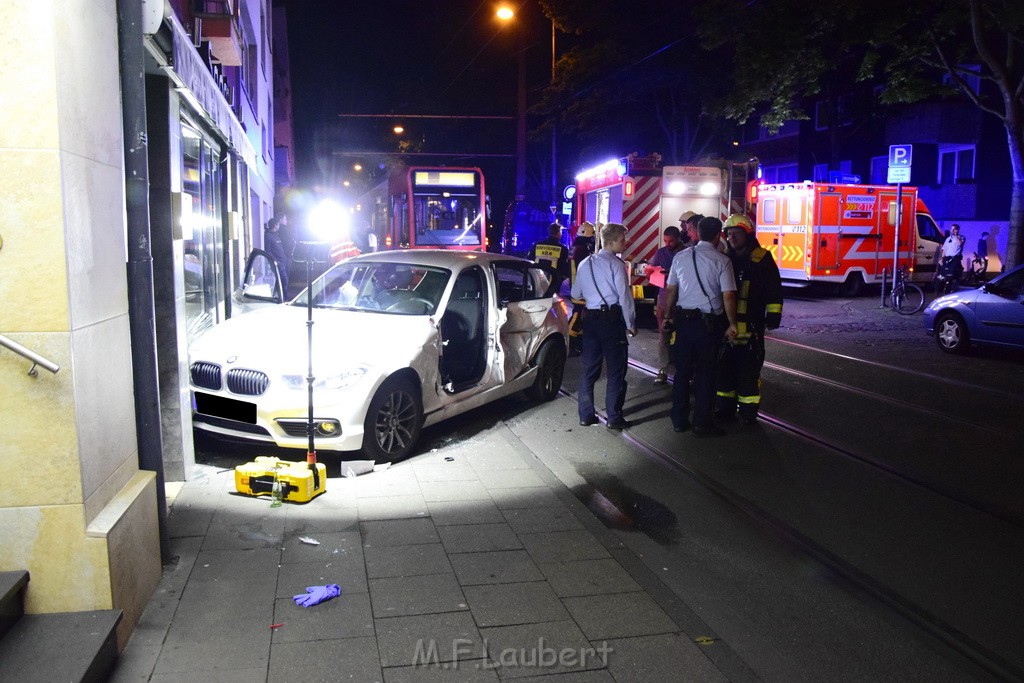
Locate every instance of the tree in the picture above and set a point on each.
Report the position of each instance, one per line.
(631, 79)
(786, 51)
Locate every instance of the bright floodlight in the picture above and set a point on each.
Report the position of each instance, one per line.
(676, 187)
(329, 222)
(709, 188)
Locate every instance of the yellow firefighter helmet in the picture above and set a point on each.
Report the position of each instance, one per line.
(738, 220)
(586, 229)
(686, 215)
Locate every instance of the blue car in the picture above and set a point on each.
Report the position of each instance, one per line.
(992, 314)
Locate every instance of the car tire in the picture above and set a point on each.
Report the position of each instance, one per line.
(951, 333)
(550, 368)
(393, 421)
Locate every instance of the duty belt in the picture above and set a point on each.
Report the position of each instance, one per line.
(688, 313)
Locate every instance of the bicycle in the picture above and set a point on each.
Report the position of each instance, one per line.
(975, 275)
(907, 298)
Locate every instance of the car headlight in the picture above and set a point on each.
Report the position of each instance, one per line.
(340, 380)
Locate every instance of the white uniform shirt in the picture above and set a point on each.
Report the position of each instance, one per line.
(608, 286)
(953, 246)
(716, 275)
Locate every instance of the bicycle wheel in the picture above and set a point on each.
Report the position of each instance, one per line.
(908, 301)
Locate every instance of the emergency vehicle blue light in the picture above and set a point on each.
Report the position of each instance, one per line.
(621, 168)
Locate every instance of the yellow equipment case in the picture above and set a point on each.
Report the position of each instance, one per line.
(299, 483)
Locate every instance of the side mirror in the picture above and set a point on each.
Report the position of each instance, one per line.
(262, 291)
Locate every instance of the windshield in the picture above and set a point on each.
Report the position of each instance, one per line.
(445, 219)
(398, 288)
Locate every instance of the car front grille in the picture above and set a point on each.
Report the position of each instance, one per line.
(205, 375)
(247, 382)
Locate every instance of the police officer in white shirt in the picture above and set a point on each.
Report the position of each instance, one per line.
(603, 282)
(701, 303)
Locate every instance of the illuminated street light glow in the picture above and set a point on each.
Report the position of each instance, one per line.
(329, 222)
(505, 13)
(357, 167)
(398, 130)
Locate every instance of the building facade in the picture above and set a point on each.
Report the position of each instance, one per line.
(84, 518)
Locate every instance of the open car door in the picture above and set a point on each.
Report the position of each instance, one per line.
(525, 294)
(261, 284)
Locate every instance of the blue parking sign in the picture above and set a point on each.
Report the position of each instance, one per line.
(900, 156)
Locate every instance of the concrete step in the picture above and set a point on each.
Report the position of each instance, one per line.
(12, 598)
(67, 646)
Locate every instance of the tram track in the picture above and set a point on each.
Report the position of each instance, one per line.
(941, 630)
(988, 508)
(934, 626)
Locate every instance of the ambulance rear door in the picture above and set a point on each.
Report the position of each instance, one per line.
(794, 231)
(860, 239)
(825, 237)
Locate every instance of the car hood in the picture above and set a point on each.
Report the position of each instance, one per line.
(965, 297)
(276, 338)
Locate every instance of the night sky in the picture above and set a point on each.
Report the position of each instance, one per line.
(447, 57)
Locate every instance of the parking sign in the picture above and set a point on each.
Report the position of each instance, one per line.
(900, 156)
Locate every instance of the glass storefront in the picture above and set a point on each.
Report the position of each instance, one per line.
(202, 230)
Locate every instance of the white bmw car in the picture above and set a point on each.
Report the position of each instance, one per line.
(400, 340)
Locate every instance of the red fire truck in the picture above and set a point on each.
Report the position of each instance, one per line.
(647, 198)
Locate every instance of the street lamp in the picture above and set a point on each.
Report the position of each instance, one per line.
(505, 14)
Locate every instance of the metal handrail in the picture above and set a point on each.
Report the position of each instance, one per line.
(30, 355)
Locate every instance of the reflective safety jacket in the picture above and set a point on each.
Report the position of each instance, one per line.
(758, 291)
(552, 253)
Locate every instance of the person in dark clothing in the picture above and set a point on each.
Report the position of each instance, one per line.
(582, 246)
(701, 302)
(758, 307)
(274, 245)
(552, 253)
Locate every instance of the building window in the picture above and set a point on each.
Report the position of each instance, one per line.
(956, 164)
(782, 173)
(973, 81)
(202, 234)
(879, 170)
(822, 110)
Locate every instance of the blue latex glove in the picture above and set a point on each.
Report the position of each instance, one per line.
(314, 595)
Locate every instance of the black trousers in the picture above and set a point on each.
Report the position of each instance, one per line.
(738, 376)
(604, 341)
(694, 355)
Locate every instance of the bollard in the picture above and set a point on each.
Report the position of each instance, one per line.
(884, 304)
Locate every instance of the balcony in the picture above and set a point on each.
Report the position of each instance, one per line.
(218, 24)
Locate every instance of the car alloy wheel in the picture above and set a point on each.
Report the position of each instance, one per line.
(393, 421)
(550, 368)
(951, 333)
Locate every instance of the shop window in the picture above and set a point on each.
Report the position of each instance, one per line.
(202, 231)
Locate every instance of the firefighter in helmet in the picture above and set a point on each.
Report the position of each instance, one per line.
(758, 307)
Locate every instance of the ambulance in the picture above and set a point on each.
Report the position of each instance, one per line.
(846, 234)
(647, 198)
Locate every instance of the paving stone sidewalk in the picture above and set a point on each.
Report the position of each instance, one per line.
(473, 563)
